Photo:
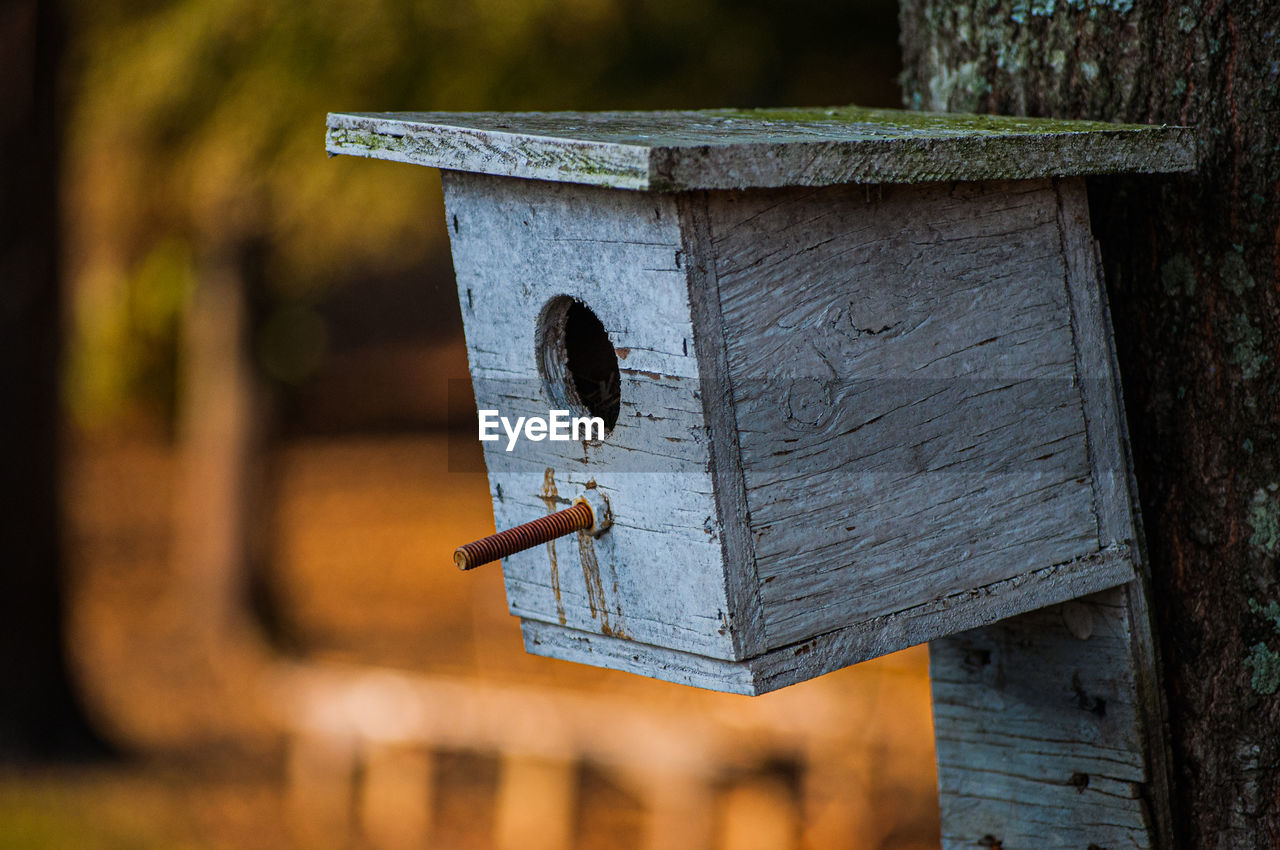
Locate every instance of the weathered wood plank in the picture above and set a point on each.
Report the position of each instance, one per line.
(736, 149)
(1116, 487)
(903, 370)
(1070, 691)
(742, 583)
(832, 651)
(658, 576)
(1039, 722)
(1095, 364)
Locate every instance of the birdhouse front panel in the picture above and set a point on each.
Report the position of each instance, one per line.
(527, 253)
(853, 371)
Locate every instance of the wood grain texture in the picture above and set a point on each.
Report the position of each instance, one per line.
(742, 583)
(1039, 722)
(834, 650)
(1099, 379)
(1116, 489)
(1191, 265)
(990, 788)
(852, 419)
(737, 149)
(908, 409)
(657, 576)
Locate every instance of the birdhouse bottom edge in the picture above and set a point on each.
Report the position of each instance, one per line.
(826, 653)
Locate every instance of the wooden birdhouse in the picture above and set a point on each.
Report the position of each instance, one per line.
(853, 369)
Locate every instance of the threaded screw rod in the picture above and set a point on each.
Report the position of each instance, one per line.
(524, 536)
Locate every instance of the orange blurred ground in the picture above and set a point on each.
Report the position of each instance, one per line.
(357, 560)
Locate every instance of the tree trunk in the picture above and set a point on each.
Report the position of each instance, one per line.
(39, 715)
(1193, 271)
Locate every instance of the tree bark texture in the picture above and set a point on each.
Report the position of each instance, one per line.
(1193, 271)
(39, 715)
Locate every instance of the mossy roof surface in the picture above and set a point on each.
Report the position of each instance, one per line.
(737, 149)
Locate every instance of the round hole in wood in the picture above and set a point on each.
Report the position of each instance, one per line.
(577, 362)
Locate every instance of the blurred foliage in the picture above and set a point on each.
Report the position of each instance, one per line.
(65, 811)
(196, 125)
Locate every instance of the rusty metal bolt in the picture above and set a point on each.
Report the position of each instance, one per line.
(579, 517)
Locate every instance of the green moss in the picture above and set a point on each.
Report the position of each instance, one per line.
(1264, 519)
(1247, 343)
(1188, 18)
(1178, 276)
(1270, 612)
(1235, 272)
(1021, 10)
(1009, 57)
(580, 163)
(372, 142)
(966, 84)
(1265, 666)
(1246, 351)
(897, 119)
(618, 149)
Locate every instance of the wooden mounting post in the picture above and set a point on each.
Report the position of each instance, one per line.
(1047, 730)
(1049, 725)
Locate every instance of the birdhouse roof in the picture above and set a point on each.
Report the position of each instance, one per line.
(738, 149)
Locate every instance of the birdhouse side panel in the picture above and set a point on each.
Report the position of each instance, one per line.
(523, 249)
(902, 365)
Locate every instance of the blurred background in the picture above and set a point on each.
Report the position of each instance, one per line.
(230, 617)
